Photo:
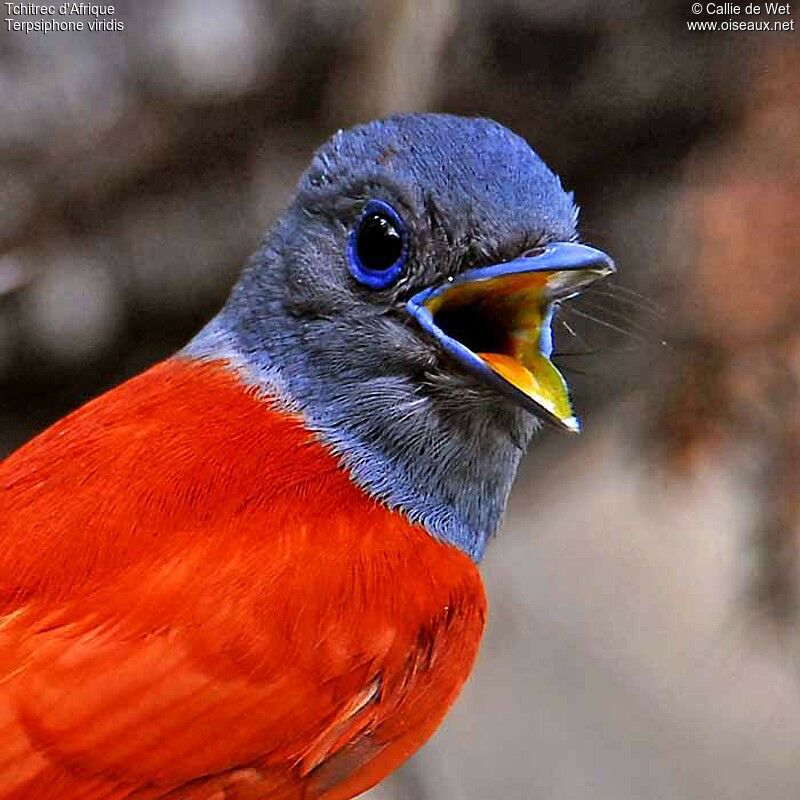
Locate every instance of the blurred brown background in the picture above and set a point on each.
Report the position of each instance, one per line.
(644, 597)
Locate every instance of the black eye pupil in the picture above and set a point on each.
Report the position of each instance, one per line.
(379, 243)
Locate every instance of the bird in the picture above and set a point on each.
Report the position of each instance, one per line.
(252, 571)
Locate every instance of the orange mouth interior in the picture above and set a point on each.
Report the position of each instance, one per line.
(505, 321)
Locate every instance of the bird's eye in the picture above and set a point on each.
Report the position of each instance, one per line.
(378, 246)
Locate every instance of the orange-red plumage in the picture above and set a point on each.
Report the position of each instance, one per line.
(197, 602)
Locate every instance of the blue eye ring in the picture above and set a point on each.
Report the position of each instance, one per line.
(382, 219)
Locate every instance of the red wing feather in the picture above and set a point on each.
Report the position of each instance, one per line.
(198, 603)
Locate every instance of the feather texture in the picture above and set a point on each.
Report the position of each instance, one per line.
(197, 602)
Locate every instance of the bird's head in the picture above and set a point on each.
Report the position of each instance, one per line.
(403, 306)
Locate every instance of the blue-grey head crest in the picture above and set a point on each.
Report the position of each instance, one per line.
(414, 429)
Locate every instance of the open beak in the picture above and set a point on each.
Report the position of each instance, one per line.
(496, 321)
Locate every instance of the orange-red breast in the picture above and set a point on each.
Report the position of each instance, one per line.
(251, 571)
